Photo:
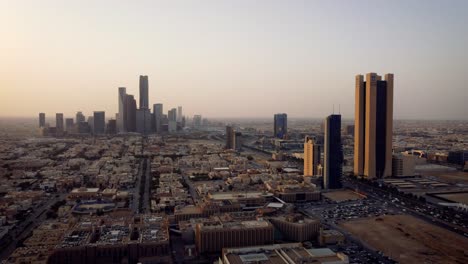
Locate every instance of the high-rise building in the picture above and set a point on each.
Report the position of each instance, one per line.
(230, 135)
(122, 117)
(143, 121)
(280, 126)
(144, 92)
(373, 126)
(99, 122)
(90, 121)
(403, 165)
(172, 116)
(42, 120)
(80, 117)
(333, 153)
(111, 127)
(158, 116)
(179, 114)
(69, 125)
(197, 121)
(312, 152)
(130, 113)
(59, 122)
(237, 141)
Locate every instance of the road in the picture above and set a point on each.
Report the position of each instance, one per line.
(23, 230)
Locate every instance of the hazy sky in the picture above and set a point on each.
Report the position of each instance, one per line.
(232, 58)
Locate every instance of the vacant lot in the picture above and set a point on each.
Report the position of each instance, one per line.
(342, 195)
(449, 176)
(407, 239)
(456, 197)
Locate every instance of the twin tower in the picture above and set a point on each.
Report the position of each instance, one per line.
(373, 126)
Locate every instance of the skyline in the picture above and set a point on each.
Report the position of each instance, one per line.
(218, 59)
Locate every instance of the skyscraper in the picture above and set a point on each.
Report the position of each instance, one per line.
(172, 116)
(333, 153)
(144, 92)
(197, 121)
(42, 120)
(69, 125)
(373, 126)
(143, 121)
(122, 117)
(80, 117)
(179, 114)
(312, 151)
(130, 113)
(280, 126)
(230, 137)
(59, 122)
(158, 116)
(99, 122)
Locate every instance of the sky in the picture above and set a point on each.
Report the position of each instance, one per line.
(232, 58)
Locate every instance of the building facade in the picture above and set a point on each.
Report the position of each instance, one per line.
(333, 153)
(122, 117)
(312, 152)
(144, 92)
(99, 122)
(280, 126)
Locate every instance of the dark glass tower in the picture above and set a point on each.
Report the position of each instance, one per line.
(333, 153)
(144, 92)
(280, 126)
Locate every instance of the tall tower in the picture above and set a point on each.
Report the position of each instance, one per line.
(130, 109)
(179, 114)
(373, 126)
(59, 122)
(230, 136)
(280, 126)
(333, 153)
(80, 117)
(99, 119)
(312, 152)
(158, 116)
(41, 119)
(122, 118)
(144, 92)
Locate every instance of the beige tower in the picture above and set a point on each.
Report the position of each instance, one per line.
(311, 156)
(373, 130)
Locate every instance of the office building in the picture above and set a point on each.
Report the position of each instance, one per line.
(312, 152)
(59, 123)
(373, 126)
(179, 114)
(130, 113)
(333, 153)
(144, 92)
(197, 121)
(230, 135)
(237, 141)
(403, 165)
(122, 117)
(296, 227)
(80, 117)
(111, 127)
(83, 127)
(459, 157)
(99, 119)
(158, 116)
(69, 125)
(90, 121)
(350, 130)
(172, 120)
(42, 122)
(143, 121)
(280, 127)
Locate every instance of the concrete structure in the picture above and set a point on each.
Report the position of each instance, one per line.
(122, 117)
(333, 153)
(99, 122)
(373, 126)
(297, 228)
(312, 152)
(280, 126)
(59, 123)
(130, 109)
(158, 116)
(291, 253)
(144, 92)
(80, 117)
(42, 122)
(403, 165)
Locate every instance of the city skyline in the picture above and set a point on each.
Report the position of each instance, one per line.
(81, 55)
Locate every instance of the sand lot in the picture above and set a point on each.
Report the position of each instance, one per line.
(407, 239)
(342, 195)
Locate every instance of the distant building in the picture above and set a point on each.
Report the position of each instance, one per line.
(90, 121)
(158, 117)
(69, 125)
(457, 157)
(42, 122)
(83, 128)
(197, 121)
(179, 114)
(333, 153)
(99, 122)
(312, 152)
(59, 123)
(111, 127)
(237, 141)
(172, 116)
(350, 130)
(230, 134)
(280, 126)
(143, 121)
(80, 117)
(130, 113)
(144, 92)
(373, 126)
(403, 165)
(122, 115)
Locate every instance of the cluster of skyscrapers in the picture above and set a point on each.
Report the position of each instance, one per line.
(373, 126)
(130, 117)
